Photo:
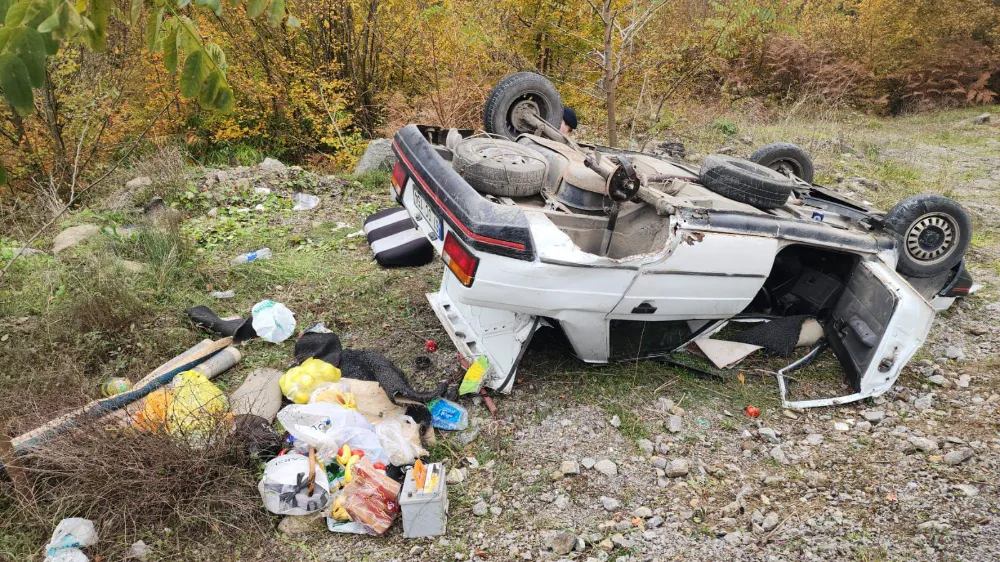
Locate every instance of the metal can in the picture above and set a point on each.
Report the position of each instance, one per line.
(115, 386)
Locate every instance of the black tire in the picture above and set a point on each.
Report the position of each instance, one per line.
(786, 157)
(514, 90)
(746, 182)
(500, 167)
(934, 233)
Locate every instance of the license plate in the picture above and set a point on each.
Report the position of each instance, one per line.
(427, 212)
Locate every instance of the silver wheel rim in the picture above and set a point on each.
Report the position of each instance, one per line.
(504, 154)
(932, 238)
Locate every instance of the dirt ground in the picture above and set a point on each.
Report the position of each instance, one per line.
(627, 462)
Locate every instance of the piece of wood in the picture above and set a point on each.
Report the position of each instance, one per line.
(97, 408)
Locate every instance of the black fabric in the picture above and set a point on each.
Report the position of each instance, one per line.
(257, 435)
(569, 117)
(779, 335)
(240, 329)
(319, 345)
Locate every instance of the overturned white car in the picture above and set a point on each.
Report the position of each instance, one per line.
(634, 256)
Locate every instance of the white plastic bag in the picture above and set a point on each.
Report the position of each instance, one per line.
(284, 488)
(394, 435)
(273, 321)
(69, 536)
(304, 202)
(327, 427)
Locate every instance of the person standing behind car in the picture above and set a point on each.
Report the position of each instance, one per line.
(568, 121)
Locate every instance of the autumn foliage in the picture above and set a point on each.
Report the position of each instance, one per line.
(311, 80)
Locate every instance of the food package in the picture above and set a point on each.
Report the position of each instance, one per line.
(298, 383)
(371, 498)
(284, 488)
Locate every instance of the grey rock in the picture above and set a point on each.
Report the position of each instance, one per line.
(606, 467)
(610, 504)
(141, 181)
(925, 402)
(496, 510)
(378, 156)
(981, 119)
(958, 456)
(863, 426)
(643, 512)
(770, 521)
(963, 381)
(874, 416)
(654, 522)
(73, 236)
(293, 525)
(664, 404)
(562, 502)
(967, 490)
(271, 165)
(561, 542)
(939, 380)
(569, 467)
(677, 468)
(923, 444)
(814, 438)
(646, 446)
(620, 541)
(675, 424)
(588, 462)
(778, 455)
(139, 549)
(735, 538)
(954, 352)
(480, 509)
(769, 434)
(616, 421)
(455, 476)
(658, 462)
(815, 479)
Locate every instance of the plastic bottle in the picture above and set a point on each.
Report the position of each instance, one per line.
(261, 254)
(115, 386)
(448, 415)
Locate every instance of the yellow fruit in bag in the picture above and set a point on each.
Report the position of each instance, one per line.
(153, 414)
(298, 383)
(196, 404)
(334, 394)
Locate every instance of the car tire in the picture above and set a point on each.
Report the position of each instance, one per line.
(745, 181)
(514, 90)
(785, 157)
(500, 167)
(934, 232)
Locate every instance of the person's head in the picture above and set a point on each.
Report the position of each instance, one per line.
(568, 121)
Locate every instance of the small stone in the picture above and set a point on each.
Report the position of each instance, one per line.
(658, 462)
(814, 439)
(768, 434)
(981, 119)
(620, 541)
(654, 522)
(271, 165)
(675, 424)
(562, 502)
(141, 181)
(480, 509)
(841, 426)
(556, 476)
(610, 504)
(735, 538)
(923, 444)
(770, 521)
(790, 414)
(664, 404)
(967, 490)
(616, 421)
(963, 381)
(677, 468)
(455, 476)
(139, 549)
(958, 456)
(561, 542)
(873, 416)
(73, 236)
(815, 479)
(925, 402)
(416, 550)
(955, 353)
(569, 468)
(293, 525)
(606, 467)
(606, 545)
(643, 512)
(646, 446)
(939, 380)
(863, 426)
(778, 455)
(213, 212)
(588, 462)
(496, 511)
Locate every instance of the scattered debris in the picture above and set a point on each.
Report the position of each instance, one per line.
(261, 254)
(69, 536)
(304, 202)
(273, 321)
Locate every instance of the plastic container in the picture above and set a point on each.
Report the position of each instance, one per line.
(114, 386)
(448, 415)
(425, 511)
(261, 254)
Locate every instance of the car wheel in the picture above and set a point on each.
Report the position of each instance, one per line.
(517, 94)
(934, 233)
(500, 167)
(745, 181)
(786, 158)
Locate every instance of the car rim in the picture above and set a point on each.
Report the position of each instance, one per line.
(931, 238)
(527, 103)
(507, 155)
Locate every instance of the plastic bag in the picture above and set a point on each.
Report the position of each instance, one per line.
(394, 435)
(304, 201)
(334, 393)
(298, 383)
(327, 427)
(196, 405)
(371, 498)
(273, 321)
(69, 535)
(284, 488)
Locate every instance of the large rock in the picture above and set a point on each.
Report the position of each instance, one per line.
(561, 542)
(378, 156)
(73, 236)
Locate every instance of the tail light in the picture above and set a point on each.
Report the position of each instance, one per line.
(398, 180)
(459, 260)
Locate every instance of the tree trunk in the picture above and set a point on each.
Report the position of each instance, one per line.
(610, 80)
(61, 167)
